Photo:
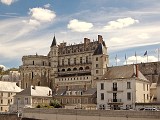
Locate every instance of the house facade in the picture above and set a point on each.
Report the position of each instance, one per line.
(7, 91)
(75, 98)
(121, 87)
(66, 65)
(31, 97)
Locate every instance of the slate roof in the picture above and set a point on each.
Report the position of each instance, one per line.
(62, 92)
(36, 91)
(6, 86)
(53, 42)
(127, 71)
(100, 49)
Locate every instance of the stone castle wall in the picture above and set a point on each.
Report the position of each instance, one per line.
(151, 71)
(78, 114)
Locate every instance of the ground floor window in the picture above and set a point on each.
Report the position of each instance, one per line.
(102, 107)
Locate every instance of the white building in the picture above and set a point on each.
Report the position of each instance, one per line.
(31, 97)
(121, 87)
(7, 91)
(13, 76)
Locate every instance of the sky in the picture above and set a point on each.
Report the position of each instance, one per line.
(129, 28)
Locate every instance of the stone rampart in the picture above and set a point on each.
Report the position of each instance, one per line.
(78, 114)
(9, 117)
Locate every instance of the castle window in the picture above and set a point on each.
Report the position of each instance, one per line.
(86, 59)
(63, 69)
(43, 63)
(97, 71)
(74, 69)
(87, 67)
(81, 68)
(32, 75)
(75, 61)
(96, 58)
(69, 69)
(68, 61)
(26, 85)
(62, 61)
(96, 65)
(33, 62)
(81, 60)
(39, 83)
(49, 64)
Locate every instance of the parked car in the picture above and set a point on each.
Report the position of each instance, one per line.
(150, 109)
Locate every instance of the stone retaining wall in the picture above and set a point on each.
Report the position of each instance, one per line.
(69, 114)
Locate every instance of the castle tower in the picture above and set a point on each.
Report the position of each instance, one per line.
(53, 62)
(100, 61)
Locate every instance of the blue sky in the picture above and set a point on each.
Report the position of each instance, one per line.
(27, 27)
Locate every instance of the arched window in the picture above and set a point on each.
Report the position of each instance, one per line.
(81, 68)
(39, 83)
(63, 69)
(69, 69)
(74, 69)
(87, 67)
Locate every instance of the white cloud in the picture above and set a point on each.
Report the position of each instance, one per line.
(42, 14)
(144, 36)
(47, 5)
(120, 23)
(79, 26)
(3, 67)
(140, 59)
(7, 2)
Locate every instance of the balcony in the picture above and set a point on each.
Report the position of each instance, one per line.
(115, 89)
(115, 101)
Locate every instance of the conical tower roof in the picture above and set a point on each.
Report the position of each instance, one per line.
(53, 42)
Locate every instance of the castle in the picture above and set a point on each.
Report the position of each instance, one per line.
(66, 66)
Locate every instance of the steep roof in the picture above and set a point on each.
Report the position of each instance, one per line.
(53, 42)
(100, 49)
(127, 71)
(9, 87)
(36, 91)
(89, 91)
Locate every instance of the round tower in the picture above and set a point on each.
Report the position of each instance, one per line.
(53, 62)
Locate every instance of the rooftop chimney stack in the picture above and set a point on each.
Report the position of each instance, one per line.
(100, 39)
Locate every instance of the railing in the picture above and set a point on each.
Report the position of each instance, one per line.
(114, 100)
(115, 90)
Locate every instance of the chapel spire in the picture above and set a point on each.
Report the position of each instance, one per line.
(53, 42)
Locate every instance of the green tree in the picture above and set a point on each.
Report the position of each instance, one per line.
(1, 70)
(55, 103)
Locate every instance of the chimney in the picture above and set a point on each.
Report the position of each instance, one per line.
(86, 41)
(137, 71)
(100, 39)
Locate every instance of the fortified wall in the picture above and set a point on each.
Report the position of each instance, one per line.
(151, 71)
(79, 114)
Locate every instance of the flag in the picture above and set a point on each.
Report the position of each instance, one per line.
(135, 54)
(145, 53)
(125, 57)
(116, 57)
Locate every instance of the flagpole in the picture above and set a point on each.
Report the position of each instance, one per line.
(116, 59)
(158, 54)
(126, 59)
(136, 57)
